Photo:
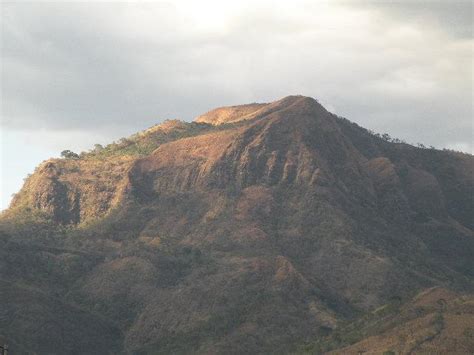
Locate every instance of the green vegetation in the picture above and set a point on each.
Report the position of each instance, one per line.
(145, 142)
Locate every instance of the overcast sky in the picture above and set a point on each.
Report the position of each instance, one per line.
(79, 73)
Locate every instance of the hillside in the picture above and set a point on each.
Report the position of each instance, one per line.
(436, 321)
(255, 229)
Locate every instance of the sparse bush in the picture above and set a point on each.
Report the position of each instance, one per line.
(468, 332)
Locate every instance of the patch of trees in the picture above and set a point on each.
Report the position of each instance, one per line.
(386, 137)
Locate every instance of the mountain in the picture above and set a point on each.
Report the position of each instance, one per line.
(255, 229)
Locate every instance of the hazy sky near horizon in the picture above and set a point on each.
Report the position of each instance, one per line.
(77, 73)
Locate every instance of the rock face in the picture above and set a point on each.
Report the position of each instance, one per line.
(74, 191)
(260, 231)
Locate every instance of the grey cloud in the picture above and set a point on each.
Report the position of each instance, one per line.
(454, 17)
(121, 67)
(63, 69)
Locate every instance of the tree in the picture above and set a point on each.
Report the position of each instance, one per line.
(124, 142)
(98, 148)
(67, 154)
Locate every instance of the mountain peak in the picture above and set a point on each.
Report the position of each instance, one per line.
(229, 114)
(292, 99)
(232, 114)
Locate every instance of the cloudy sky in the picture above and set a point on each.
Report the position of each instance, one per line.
(79, 73)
